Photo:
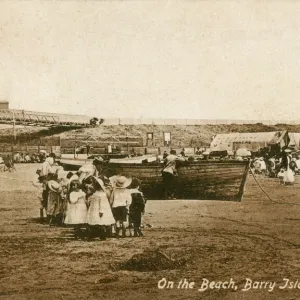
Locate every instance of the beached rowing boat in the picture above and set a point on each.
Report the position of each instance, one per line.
(204, 179)
(196, 180)
(71, 164)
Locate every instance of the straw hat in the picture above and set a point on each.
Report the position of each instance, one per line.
(120, 181)
(74, 177)
(98, 160)
(98, 180)
(54, 186)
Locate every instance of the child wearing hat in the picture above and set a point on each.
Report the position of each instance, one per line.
(120, 201)
(56, 202)
(99, 215)
(76, 208)
(137, 207)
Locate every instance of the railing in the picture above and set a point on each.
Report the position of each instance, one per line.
(44, 119)
(48, 119)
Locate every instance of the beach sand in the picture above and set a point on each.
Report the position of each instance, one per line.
(219, 240)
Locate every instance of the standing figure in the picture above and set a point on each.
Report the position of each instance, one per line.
(46, 172)
(182, 152)
(169, 174)
(76, 208)
(109, 149)
(55, 203)
(99, 215)
(88, 148)
(137, 207)
(288, 177)
(165, 154)
(120, 201)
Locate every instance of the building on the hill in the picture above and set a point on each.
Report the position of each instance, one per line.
(4, 105)
(252, 141)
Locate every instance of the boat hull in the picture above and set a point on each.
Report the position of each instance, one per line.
(223, 180)
(206, 180)
(73, 164)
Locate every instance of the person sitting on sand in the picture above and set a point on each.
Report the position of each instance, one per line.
(27, 158)
(9, 164)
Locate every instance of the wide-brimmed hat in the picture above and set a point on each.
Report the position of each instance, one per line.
(100, 182)
(98, 160)
(120, 181)
(54, 186)
(85, 171)
(74, 177)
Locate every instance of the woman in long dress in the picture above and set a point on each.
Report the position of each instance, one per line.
(288, 177)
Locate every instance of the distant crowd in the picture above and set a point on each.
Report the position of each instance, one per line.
(284, 166)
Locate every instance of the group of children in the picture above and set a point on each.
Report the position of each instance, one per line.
(95, 206)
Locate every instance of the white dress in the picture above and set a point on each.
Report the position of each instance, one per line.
(288, 173)
(99, 204)
(76, 208)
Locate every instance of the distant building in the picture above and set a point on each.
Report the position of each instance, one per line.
(4, 105)
(252, 141)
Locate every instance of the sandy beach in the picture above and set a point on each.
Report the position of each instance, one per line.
(256, 239)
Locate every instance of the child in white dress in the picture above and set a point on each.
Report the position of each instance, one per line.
(76, 208)
(99, 215)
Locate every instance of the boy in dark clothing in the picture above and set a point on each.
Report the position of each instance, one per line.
(137, 207)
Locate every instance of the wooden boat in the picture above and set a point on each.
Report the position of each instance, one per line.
(206, 179)
(71, 164)
(222, 180)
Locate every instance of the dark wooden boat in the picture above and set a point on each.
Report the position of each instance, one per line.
(223, 180)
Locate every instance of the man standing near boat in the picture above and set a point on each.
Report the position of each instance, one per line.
(169, 174)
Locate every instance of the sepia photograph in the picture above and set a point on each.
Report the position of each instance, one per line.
(149, 149)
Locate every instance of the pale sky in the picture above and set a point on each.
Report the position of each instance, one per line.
(152, 59)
